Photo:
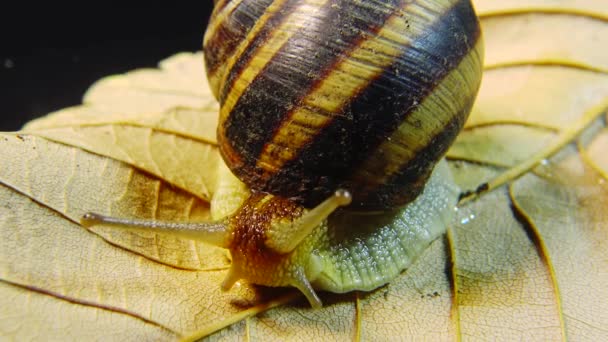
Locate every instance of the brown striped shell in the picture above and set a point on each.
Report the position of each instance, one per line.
(365, 95)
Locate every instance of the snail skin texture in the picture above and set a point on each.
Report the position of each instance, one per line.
(328, 104)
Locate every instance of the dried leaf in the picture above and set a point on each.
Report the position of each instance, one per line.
(549, 97)
(71, 182)
(524, 259)
(28, 314)
(43, 248)
(166, 155)
(501, 285)
(593, 8)
(180, 82)
(198, 124)
(521, 39)
(568, 225)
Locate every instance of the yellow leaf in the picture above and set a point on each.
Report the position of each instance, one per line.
(525, 257)
(166, 155)
(595, 154)
(72, 182)
(568, 224)
(44, 249)
(596, 8)
(550, 97)
(521, 39)
(502, 287)
(198, 124)
(495, 145)
(178, 83)
(23, 308)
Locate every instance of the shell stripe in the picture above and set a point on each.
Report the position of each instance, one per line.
(263, 44)
(403, 178)
(223, 35)
(368, 127)
(219, 4)
(353, 72)
(224, 46)
(257, 113)
(414, 151)
(268, 35)
(218, 41)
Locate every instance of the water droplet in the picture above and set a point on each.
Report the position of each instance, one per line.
(464, 220)
(544, 162)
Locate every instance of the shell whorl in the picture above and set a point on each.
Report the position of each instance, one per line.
(358, 94)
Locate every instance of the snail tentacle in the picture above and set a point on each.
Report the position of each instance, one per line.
(303, 284)
(231, 278)
(285, 236)
(215, 233)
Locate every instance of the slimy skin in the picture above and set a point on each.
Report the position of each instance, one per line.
(348, 251)
(364, 252)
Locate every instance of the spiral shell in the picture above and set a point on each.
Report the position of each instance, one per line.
(365, 95)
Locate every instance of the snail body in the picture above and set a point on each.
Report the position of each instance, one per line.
(327, 104)
(347, 252)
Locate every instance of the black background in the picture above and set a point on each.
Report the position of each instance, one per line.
(50, 54)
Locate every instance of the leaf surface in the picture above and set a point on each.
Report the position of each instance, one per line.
(577, 256)
(525, 257)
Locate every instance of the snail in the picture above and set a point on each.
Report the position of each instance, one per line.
(335, 116)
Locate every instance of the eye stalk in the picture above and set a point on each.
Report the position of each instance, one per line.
(214, 233)
(266, 237)
(285, 237)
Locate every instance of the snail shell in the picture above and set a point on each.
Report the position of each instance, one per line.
(324, 103)
(362, 95)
